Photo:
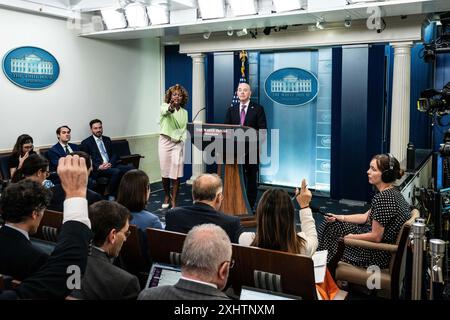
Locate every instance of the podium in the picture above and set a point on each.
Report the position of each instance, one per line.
(225, 146)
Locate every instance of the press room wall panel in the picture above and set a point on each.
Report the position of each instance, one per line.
(118, 82)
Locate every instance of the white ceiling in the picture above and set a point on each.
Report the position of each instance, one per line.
(67, 8)
(301, 17)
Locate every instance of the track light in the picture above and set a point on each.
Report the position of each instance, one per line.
(242, 32)
(206, 35)
(319, 25)
(348, 22)
(230, 31)
(267, 30)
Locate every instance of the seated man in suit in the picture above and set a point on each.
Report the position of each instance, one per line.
(205, 265)
(207, 197)
(62, 148)
(105, 162)
(103, 280)
(52, 280)
(22, 206)
(58, 194)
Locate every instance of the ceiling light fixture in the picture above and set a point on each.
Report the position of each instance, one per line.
(267, 30)
(230, 31)
(113, 18)
(206, 35)
(242, 32)
(243, 7)
(348, 22)
(319, 25)
(136, 14)
(211, 9)
(283, 5)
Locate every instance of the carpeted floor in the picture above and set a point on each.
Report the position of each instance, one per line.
(321, 204)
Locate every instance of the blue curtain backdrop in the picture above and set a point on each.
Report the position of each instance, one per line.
(304, 131)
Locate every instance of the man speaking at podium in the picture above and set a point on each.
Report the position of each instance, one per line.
(252, 115)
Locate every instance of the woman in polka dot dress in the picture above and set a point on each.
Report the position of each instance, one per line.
(381, 223)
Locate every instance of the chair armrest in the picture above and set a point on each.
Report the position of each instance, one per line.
(370, 245)
(134, 159)
(131, 156)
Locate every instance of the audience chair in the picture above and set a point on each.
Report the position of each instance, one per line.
(50, 226)
(165, 246)
(392, 277)
(273, 270)
(122, 149)
(4, 170)
(132, 257)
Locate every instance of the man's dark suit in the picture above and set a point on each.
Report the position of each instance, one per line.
(255, 118)
(115, 173)
(50, 281)
(18, 257)
(183, 290)
(89, 145)
(105, 281)
(56, 152)
(183, 219)
(58, 197)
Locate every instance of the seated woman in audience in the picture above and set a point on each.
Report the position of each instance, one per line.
(134, 192)
(22, 149)
(381, 223)
(35, 168)
(275, 227)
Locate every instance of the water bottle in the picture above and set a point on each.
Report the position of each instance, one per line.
(410, 157)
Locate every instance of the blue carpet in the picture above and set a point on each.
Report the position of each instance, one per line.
(185, 198)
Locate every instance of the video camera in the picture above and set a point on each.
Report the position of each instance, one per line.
(442, 43)
(435, 101)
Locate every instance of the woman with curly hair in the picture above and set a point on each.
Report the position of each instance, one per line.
(173, 122)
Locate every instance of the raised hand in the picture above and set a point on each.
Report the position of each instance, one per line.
(73, 174)
(22, 159)
(304, 196)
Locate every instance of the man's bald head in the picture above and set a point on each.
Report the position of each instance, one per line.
(206, 187)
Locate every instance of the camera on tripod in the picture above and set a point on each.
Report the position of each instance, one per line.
(435, 101)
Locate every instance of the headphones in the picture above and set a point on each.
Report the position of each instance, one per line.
(388, 175)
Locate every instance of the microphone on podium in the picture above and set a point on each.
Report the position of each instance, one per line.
(195, 117)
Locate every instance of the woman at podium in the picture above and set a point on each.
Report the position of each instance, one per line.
(173, 121)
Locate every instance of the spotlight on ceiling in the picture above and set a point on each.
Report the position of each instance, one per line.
(348, 22)
(211, 9)
(230, 31)
(319, 25)
(242, 32)
(267, 30)
(243, 7)
(206, 35)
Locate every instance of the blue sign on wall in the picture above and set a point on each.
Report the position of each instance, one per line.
(291, 86)
(30, 68)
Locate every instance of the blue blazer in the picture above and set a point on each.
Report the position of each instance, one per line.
(56, 152)
(89, 146)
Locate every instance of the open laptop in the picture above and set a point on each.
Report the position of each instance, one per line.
(162, 274)
(249, 293)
